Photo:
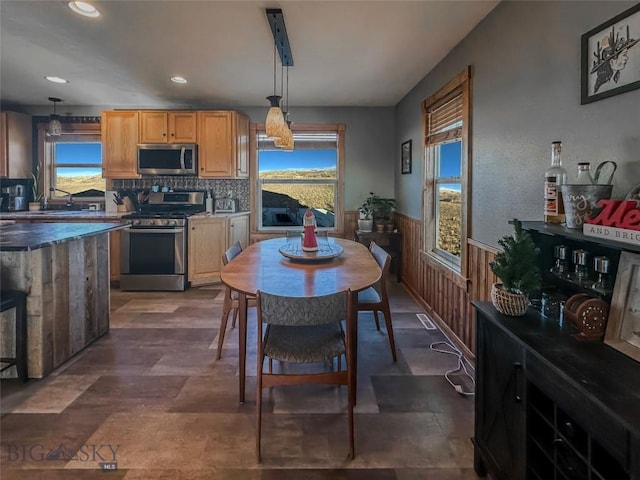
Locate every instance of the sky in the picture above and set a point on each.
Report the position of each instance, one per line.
(79, 153)
(90, 153)
(298, 159)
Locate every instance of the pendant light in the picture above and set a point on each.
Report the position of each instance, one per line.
(55, 127)
(274, 124)
(286, 141)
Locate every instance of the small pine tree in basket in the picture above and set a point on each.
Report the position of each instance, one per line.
(517, 269)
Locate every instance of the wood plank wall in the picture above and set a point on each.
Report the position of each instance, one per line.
(444, 295)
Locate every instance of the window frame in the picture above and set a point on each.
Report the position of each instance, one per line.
(72, 131)
(459, 85)
(339, 129)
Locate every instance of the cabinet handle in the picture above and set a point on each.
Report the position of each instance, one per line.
(164, 134)
(517, 367)
(172, 134)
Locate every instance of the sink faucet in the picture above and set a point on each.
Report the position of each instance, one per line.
(69, 199)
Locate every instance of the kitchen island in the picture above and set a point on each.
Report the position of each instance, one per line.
(64, 269)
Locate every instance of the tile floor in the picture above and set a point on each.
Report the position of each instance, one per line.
(150, 396)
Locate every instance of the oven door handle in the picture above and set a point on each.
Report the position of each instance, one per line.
(155, 230)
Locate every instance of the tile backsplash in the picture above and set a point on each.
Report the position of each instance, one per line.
(239, 188)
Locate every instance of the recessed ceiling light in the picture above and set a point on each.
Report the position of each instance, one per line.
(57, 80)
(178, 79)
(84, 8)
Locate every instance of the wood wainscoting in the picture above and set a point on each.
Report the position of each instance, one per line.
(445, 295)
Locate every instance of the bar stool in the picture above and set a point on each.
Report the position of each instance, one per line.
(17, 299)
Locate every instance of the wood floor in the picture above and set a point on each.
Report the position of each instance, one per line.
(150, 399)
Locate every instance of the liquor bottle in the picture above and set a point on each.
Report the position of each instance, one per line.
(584, 174)
(553, 178)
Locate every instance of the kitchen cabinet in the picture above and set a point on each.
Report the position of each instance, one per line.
(120, 144)
(209, 238)
(15, 145)
(168, 127)
(223, 144)
(549, 406)
(207, 242)
(239, 230)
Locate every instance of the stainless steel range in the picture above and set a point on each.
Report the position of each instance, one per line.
(154, 245)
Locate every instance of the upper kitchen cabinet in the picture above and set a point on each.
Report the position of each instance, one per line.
(120, 144)
(15, 145)
(168, 127)
(223, 144)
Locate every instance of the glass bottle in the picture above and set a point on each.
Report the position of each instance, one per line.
(584, 174)
(553, 178)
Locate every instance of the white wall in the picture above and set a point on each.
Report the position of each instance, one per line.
(526, 93)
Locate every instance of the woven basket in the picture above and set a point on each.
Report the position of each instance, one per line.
(512, 304)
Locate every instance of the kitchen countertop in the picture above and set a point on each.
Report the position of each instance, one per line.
(60, 215)
(32, 236)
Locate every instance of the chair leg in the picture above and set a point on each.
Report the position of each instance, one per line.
(259, 410)
(352, 401)
(226, 308)
(235, 318)
(375, 316)
(386, 311)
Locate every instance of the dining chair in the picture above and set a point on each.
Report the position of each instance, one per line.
(376, 298)
(304, 330)
(231, 300)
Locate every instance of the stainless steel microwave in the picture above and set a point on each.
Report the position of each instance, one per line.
(168, 159)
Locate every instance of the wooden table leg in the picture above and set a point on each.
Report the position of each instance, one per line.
(242, 340)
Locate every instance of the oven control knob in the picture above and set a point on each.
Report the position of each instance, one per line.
(172, 222)
(135, 222)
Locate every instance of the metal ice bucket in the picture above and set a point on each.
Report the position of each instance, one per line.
(581, 201)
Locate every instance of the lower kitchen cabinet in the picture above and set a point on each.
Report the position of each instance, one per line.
(209, 238)
(239, 230)
(549, 406)
(207, 243)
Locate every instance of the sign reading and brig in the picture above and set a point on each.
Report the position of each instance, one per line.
(618, 220)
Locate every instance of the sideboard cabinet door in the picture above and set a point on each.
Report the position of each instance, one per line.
(500, 404)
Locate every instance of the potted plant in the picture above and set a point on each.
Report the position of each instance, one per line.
(366, 210)
(517, 269)
(36, 197)
(383, 212)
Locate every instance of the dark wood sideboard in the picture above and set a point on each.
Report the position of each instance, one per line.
(550, 406)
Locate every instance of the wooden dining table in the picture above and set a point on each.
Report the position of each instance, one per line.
(262, 267)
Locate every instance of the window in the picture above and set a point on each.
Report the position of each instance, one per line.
(446, 173)
(74, 161)
(308, 177)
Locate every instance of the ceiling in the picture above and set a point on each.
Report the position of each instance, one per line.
(346, 53)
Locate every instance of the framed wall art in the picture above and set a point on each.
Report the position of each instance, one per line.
(406, 157)
(623, 325)
(610, 56)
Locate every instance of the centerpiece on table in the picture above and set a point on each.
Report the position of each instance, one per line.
(516, 267)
